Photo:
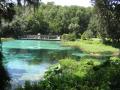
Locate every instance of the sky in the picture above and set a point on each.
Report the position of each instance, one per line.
(84, 3)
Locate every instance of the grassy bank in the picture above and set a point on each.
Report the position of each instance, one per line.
(7, 39)
(70, 74)
(95, 47)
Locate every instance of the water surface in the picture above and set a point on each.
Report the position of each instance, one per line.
(29, 59)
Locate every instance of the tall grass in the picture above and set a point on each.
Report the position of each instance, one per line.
(92, 46)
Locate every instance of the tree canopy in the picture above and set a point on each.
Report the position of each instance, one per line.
(50, 19)
(109, 18)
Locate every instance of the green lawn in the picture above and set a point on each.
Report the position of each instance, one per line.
(6, 39)
(93, 47)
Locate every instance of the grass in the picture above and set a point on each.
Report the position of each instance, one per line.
(79, 68)
(85, 74)
(6, 39)
(95, 47)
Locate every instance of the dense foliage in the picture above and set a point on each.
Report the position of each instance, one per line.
(86, 74)
(109, 18)
(49, 19)
(68, 37)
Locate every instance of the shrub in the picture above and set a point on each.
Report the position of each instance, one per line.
(115, 60)
(69, 37)
(86, 74)
(87, 35)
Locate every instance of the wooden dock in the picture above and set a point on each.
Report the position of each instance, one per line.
(40, 37)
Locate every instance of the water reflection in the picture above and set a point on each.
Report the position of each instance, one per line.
(29, 60)
(4, 78)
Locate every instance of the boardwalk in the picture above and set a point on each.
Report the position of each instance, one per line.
(40, 37)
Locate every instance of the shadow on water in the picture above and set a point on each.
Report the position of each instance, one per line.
(42, 55)
(4, 77)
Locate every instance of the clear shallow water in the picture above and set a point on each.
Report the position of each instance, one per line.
(33, 44)
(29, 59)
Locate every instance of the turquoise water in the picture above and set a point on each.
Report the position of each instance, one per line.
(33, 44)
(29, 59)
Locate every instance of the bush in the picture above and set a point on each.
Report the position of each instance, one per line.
(86, 74)
(87, 35)
(69, 37)
(115, 60)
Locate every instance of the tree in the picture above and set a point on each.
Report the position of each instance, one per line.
(93, 26)
(7, 10)
(73, 27)
(7, 13)
(109, 18)
(50, 19)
